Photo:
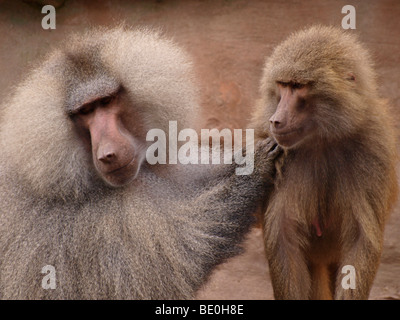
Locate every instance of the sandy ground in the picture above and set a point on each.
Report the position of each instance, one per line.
(229, 41)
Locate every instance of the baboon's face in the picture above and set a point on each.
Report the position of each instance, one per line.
(292, 121)
(110, 130)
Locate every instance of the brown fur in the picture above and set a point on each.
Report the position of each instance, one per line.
(158, 237)
(344, 176)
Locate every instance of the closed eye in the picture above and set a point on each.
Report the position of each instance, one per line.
(106, 100)
(297, 85)
(86, 109)
(283, 84)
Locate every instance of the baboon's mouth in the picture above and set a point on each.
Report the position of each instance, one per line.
(283, 133)
(123, 175)
(288, 138)
(114, 171)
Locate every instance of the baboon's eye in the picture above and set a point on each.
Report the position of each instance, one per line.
(283, 84)
(297, 85)
(106, 100)
(86, 109)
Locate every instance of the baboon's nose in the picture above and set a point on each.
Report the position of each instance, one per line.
(275, 123)
(107, 157)
(106, 154)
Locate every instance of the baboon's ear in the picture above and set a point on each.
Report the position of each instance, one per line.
(351, 77)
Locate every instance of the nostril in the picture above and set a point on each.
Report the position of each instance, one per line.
(275, 124)
(107, 157)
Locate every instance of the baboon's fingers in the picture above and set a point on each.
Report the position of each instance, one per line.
(275, 151)
(265, 145)
(269, 147)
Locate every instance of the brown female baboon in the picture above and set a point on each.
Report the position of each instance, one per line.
(337, 180)
(76, 192)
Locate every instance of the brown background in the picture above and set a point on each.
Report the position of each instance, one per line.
(229, 41)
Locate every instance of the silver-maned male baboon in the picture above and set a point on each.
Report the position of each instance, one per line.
(76, 191)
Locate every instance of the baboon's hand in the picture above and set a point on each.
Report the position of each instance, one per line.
(266, 152)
